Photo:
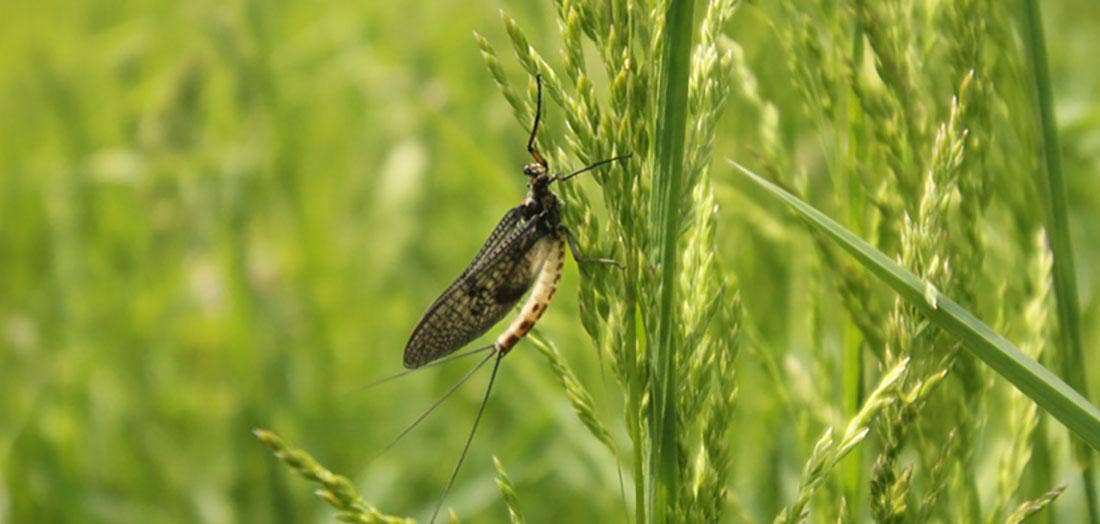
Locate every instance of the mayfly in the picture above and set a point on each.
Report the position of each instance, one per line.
(525, 252)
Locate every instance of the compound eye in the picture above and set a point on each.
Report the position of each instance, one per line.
(532, 169)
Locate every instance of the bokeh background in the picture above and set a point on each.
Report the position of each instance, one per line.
(216, 216)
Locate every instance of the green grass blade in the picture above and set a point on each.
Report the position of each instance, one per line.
(1031, 378)
(672, 108)
(1057, 222)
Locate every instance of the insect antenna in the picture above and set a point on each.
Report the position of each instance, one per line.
(470, 437)
(424, 414)
(443, 360)
(592, 166)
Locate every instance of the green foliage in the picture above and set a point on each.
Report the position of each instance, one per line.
(335, 489)
(217, 217)
(677, 378)
(508, 493)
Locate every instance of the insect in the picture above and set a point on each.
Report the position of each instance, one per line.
(525, 252)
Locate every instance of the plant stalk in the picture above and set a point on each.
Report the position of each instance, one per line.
(672, 108)
(1053, 186)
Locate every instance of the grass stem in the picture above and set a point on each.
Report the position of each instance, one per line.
(672, 101)
(1053, 185)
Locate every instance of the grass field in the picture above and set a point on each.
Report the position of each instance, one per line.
(223, 216)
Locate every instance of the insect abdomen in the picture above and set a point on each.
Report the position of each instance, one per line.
(543, 290)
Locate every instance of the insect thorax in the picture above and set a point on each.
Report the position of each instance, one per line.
(542, 204)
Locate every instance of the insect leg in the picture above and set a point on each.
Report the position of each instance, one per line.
(576, 250)
(535, 129)
(470, 438)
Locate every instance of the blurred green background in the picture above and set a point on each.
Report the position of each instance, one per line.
(222, 215)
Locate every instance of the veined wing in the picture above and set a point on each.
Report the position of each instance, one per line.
(501, 272)
(504, 229)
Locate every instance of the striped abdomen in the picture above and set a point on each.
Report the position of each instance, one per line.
(549, 256)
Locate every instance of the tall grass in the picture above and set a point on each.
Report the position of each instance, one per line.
(1053, 187)
(217, 219)
(924, 162)
(887, 111)
(664, 101)
(677, 377)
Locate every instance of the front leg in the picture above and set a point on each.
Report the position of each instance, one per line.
(576, 250)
